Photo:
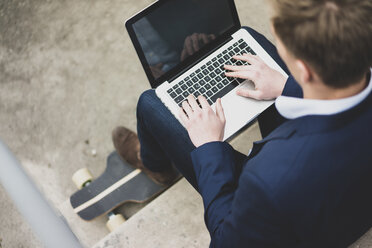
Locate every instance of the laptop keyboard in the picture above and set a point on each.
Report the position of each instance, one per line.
(209, 79)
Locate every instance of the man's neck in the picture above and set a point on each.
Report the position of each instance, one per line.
(323, 92)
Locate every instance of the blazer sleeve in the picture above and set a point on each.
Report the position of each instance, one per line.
(238, 209)
(216, 175)
(270, 118)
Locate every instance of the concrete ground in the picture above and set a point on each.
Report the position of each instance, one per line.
(69, 75)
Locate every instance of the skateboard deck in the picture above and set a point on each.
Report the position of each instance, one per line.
(119, 183)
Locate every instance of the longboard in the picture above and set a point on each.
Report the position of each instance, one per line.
(119, 183)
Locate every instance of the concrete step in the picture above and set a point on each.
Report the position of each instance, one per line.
(88, 232)
(174, 219)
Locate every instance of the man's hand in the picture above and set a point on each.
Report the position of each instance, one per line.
(202, 124)
(269, 83)
(194, 42)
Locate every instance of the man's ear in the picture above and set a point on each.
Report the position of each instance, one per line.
(306, 73)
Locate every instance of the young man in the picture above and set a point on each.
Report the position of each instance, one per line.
(309, 182)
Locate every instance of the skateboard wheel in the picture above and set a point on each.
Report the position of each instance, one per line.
(115, 221)
(82, 177)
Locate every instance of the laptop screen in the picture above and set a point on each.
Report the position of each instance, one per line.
(177, 32)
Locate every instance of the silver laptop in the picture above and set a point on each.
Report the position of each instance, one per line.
(183, 46)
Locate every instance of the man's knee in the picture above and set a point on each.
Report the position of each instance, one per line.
(253, 32)
(146, 102)
(249, 29)
(258, 36)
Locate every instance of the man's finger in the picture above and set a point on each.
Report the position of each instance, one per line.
(188, 45)
(192, 102)
(183, 116)
(255, 94)
(240, 74)
(203, 102)
(233, 74)
(236, 67)
(212, 36)
(204, 38)
(195, 42)
(187, 108)
(219, 110)
(247, 58)
(183, 54)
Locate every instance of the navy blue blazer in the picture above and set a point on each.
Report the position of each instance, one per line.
(307, 184)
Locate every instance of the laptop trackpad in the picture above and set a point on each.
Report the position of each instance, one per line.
(241, 110)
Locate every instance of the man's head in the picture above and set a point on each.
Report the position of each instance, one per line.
(331, 38)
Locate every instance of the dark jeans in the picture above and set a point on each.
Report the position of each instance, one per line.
(165, 141)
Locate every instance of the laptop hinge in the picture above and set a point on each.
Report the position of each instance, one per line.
(206, 55)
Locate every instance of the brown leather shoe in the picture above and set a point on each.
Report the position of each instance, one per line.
(128, 147)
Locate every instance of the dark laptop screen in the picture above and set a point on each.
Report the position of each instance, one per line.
(173, 33)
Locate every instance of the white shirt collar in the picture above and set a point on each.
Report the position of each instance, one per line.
(293, 107)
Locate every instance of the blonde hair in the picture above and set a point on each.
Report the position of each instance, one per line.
(334, 37)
